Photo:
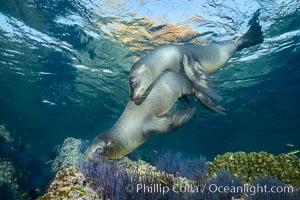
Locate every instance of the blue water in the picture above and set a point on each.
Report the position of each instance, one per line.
(64, 68)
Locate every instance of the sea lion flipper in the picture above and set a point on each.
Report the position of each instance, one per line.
(200, 78)
(171, 120)
(185, 100)
(209, 103)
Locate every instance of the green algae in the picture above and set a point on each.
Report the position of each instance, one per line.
(262, 164)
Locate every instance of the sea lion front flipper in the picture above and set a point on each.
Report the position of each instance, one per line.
(209, 103)
(171, 121)
(185, 101)
(200, 78)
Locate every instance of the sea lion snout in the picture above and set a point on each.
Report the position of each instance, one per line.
(135, 94)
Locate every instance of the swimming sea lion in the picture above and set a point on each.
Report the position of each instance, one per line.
(138, 122)
(196, 62)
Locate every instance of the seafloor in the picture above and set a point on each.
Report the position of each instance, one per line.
(164, 175)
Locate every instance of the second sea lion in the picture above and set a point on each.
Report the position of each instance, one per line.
(195, 62)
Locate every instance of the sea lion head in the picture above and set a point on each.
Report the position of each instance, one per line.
(100, 147)
(140, 78)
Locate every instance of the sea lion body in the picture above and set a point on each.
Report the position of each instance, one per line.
(199, 61)
(138, 122)
(169, 57)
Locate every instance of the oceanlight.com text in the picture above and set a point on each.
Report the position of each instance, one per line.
(250, 189)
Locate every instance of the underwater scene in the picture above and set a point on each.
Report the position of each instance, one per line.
(150, 99)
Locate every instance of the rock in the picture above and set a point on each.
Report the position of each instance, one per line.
(69, 155)
(8, 181)
(69, 183)
(5, 135)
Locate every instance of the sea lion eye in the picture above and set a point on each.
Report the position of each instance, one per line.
(133, 84)
(99, 150)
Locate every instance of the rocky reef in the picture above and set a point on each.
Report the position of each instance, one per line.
(8, 177)
(172, 175)
(8, 180)
(117, 179)
(70, 183)
(69, 154)
(5, 135)
(21, 177)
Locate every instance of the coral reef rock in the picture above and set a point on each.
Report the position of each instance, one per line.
(69, 155)
(5, 135)
(8, 180)
(69, 183)
(171, 178)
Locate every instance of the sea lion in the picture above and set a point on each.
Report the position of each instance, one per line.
(138, 122)
(195, 62)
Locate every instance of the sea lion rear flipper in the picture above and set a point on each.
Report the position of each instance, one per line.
(200, 78)
(171, 121)
(253, 36)
(204, 88)
(209, 103)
